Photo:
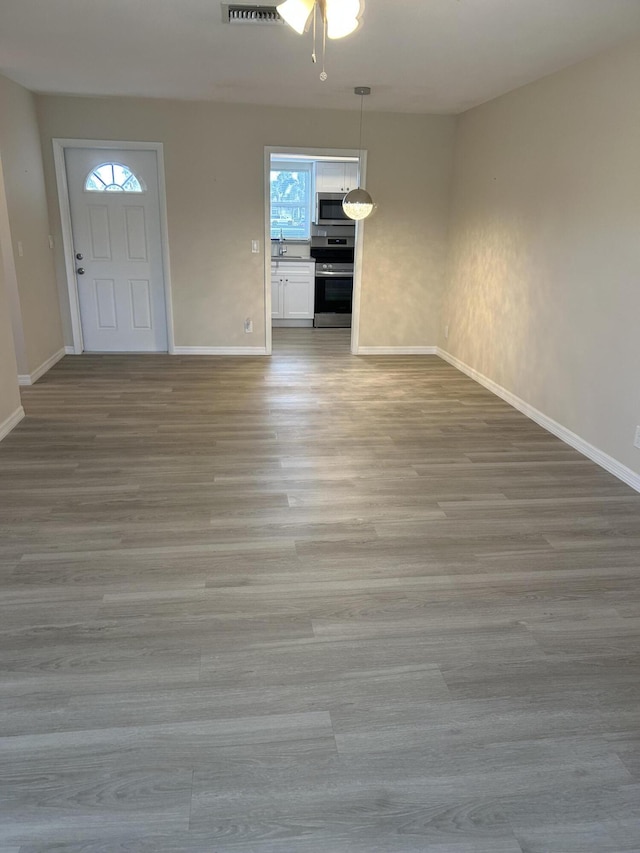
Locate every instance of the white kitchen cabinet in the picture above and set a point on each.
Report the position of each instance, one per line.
(298, 297)
(332, 177)
(277, 295)
(292, 290)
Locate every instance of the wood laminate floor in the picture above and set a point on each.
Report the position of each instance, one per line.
(310, 604)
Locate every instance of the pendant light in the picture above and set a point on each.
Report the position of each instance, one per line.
(358, 204)
(339, 19)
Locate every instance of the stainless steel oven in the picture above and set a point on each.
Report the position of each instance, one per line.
(334, 281)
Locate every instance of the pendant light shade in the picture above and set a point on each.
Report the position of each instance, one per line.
(358, 204)
(296, 13)
(342, 17)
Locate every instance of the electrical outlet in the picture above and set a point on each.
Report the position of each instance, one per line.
(636, 440)
(446, 331)
(51, 243)
(255, 246)
(20, 249)
(248, 325)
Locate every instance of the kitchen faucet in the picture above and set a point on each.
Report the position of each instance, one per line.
(282, 249)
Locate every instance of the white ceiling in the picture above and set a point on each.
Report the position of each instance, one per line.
(419, 56)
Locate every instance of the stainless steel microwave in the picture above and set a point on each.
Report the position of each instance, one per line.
(329, 210)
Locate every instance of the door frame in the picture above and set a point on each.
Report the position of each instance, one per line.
(357, 271)
(59, 147)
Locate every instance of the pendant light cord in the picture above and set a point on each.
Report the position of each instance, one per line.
(360, 143)
(362, 91)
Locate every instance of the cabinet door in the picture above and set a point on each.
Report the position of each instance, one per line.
(277, 289)
(298, 297)
(330, 177)
(350, 176)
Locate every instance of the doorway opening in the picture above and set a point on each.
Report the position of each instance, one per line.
(313, 256)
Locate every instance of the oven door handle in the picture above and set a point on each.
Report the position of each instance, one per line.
(329, 274)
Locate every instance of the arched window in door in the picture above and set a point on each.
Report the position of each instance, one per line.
(112, 177)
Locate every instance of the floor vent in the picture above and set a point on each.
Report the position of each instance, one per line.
(242, 13)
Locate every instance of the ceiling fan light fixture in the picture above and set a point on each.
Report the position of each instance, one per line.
(342, 17)
(338, 18)
(296, 13)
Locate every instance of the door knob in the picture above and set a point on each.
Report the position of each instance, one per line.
(79, 256)
(80, 270)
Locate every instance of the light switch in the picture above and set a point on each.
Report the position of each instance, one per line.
(20, 249)
(255, 246)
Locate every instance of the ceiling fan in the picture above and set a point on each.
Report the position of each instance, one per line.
(341, 17)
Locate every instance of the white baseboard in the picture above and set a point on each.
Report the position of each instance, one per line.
(70, 350)
(397, 351)
(219, 351)
(30, 378)
(613, 466)
(12, 421)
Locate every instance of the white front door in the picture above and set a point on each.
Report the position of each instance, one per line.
(115, 216)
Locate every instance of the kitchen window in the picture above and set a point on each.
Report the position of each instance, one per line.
(291, 197)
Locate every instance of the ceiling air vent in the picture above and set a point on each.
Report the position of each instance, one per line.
(242, 13)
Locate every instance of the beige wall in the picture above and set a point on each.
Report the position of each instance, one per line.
(409, 176)
(28, 218)
(10, 279)
(214, 155)
(544, 277)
